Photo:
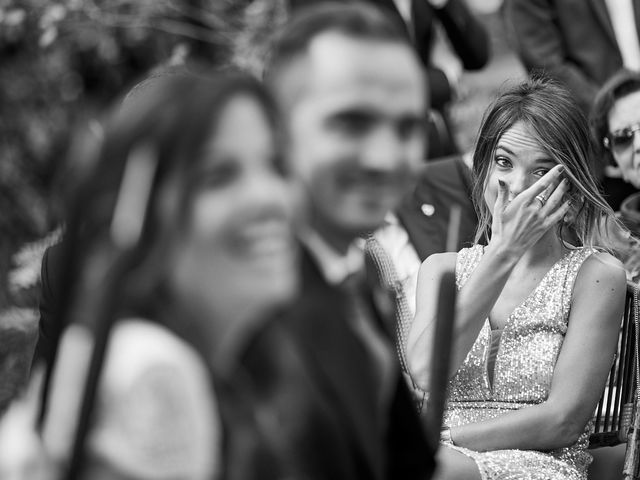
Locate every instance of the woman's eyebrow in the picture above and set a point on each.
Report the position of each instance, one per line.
(502, 147)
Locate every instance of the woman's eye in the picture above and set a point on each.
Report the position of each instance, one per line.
(503, 162)
(541, 172)
(218, 176)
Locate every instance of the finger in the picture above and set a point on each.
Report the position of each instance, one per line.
(502, 198)
(548, 183)
(556, 198)
(558, 215)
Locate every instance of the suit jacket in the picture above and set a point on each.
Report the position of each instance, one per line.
(391, 447)
(424, 212)
(572, 40)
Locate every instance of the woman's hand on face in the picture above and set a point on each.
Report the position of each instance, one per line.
(520, 223)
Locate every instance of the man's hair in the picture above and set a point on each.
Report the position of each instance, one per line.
(355, 19)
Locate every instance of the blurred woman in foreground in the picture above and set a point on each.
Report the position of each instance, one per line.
(186, 247)
(532, 303)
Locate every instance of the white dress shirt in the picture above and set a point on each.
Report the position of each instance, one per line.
(395, 240)
(624, 25)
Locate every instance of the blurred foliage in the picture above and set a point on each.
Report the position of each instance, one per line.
(62, 62)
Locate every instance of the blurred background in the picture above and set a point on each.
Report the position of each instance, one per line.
(62, 62)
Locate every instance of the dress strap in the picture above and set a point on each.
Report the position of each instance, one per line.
(466, 263)
(573, 263)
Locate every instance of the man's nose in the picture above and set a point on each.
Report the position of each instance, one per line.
(382, 150)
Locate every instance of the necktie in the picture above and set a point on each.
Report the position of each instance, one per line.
(362, 319)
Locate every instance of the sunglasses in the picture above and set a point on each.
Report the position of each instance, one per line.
(621, 139)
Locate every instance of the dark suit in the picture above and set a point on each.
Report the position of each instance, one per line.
(468, 38)
(390, 447)
(572, 40)
(424, 212)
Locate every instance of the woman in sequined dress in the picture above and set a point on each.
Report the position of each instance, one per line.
(533, 304)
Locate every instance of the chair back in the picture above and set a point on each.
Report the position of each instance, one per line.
(616, 408)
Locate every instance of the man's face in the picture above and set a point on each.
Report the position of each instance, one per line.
(356, 130)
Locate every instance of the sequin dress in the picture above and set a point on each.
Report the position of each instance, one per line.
(523, 370)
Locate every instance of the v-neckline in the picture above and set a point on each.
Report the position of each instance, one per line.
(507, 324)
(531, 293)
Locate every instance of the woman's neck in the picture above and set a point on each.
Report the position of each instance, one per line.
(548, 250)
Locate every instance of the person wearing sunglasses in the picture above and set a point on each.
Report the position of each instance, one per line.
(615, 123)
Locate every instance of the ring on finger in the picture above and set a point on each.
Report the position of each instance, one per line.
(542, 199)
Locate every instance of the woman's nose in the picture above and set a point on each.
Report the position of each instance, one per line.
(517, 183)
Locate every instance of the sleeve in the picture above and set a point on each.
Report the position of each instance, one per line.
(156, 414)
(466, 34)
(538, 42)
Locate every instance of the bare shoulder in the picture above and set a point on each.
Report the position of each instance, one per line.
(602, 268)
(439, 262)
(601, 275)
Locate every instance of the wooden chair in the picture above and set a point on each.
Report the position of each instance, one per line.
(617, 419)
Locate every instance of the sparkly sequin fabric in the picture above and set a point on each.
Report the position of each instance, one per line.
(524, 365)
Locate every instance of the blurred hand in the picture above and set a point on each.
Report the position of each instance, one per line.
(22, 454)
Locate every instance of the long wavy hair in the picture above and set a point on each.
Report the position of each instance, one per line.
(170, 121)
(559, 126)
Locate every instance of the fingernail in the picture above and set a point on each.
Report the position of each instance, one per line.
(501, 183)
(561, 169)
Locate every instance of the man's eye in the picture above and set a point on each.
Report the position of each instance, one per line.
(502, 162)
(408, 126)
(352, 123)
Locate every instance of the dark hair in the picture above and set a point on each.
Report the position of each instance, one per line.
(622, 83)
(170, 122)
(354, 19)
(560, 127)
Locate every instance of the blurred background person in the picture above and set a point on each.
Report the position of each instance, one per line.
(352, 91)
(186, 246)
(530, 302)
(448, 39)
(580, 44)
(615, 122)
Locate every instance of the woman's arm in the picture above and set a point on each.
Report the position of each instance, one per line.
(475, 301)
(580, 373)
(516, 226)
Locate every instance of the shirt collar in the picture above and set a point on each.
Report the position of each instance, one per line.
(334, 266)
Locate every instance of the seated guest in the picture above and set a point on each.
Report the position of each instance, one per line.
(530, 303)
(418, 227)
(352, 93)
(615, 122)
(187, 248)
